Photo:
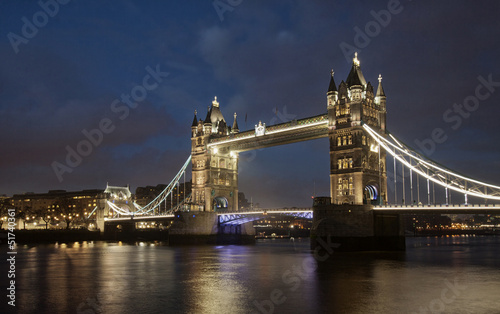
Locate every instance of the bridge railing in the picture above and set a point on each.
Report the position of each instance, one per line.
(438, 205)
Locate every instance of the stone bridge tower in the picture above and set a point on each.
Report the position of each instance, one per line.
(214, 171)
(357, 165)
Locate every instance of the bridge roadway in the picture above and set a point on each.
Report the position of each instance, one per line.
(241, 217)
(227, 218)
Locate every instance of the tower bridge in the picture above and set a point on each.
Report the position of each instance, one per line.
(360, 148)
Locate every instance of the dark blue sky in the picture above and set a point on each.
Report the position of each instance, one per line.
(263, 55)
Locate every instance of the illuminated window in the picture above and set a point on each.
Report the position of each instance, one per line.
(339, 163)
(344, 140)
(350, 140)
(339, 141)
(363, 140)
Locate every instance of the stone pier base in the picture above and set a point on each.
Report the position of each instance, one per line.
(344, 228)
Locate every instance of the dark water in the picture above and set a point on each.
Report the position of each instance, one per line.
(434, 275)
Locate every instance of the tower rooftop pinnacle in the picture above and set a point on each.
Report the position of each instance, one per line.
(355, 59)
(207, 119)
(215, 103)
(332, 87)
(195, 120)
(215, 113)
(380, 89)
(235, 124)
(355, 76)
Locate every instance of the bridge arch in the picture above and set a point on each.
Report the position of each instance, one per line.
(371, 194)
(220, 203)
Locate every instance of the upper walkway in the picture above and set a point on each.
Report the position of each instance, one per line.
(278, 134)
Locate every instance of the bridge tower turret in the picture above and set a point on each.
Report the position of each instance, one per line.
(380, 100)
(332, 95)
(214, 170)
(357, 165)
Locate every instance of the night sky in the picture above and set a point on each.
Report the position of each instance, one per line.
(257, 57)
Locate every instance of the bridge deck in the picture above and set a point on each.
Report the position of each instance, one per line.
(140, 218)
(247, 216)
(440, 209)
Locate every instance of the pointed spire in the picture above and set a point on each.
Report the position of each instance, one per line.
(195, 120)
(235, 124)
(207, 119)
(332, 87)
(380, 89)
(355, 76)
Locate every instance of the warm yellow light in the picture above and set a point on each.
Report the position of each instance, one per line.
(355, 60)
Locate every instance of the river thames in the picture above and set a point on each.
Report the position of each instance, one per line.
(434, 275)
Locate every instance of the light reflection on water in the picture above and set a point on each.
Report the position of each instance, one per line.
(277, 275)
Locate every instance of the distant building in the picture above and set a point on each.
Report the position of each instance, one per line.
(243, 203)
(144, 195)
(60, 208)
(282, 225)
(85, 199)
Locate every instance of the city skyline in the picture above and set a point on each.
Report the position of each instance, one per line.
(266, 62)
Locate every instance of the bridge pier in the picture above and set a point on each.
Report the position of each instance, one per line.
(355, 228)
(203, 228)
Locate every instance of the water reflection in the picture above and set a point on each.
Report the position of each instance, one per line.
(272, 276)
